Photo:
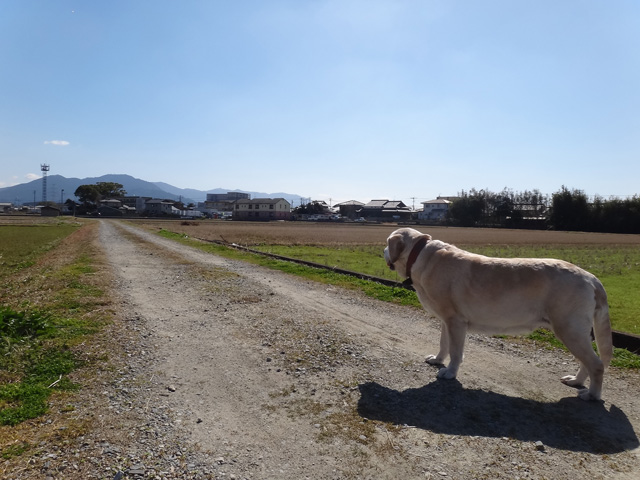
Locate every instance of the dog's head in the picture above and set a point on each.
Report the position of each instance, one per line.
(399, 246)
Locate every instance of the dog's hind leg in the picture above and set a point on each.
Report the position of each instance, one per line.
(579, 344)
(457, 330)
(595, 371)
(578, 379)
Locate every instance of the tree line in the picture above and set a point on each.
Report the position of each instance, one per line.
(566, 209)
(91, 195)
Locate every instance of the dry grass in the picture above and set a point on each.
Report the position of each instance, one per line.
(27, 220)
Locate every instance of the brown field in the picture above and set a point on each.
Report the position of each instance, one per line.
(326, 234)
(30, 220)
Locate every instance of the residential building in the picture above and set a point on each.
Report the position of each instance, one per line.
(385, 211)
(111, 202)
(349, 209)
(262, 209)
(218, 203)
(434, 210)
(122, 206)
(227, 197)
(49, 211)
(156, 207)
(137, 203)
(188, 213)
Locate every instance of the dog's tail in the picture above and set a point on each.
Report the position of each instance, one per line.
(602, 325)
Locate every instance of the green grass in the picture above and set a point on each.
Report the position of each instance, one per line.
(21, 245)
(75, 296)
(30, 365)
(38, 340)
(15, 450)
(362, 259)
(623, 294)
(17, 325)
(625, 359)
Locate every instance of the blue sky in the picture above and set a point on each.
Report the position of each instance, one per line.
(334, 100)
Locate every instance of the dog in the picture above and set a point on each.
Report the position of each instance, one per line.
(470, 292)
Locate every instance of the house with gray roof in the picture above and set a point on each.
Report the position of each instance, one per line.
(349, 209)
(434, 210)
(385, 211)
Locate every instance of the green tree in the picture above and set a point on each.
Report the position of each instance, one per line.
(503, 206)
(312, 208)
(467, 210)
(111, 189)
(87, 193)
(570, 210)
(90, 195)
(93, 193)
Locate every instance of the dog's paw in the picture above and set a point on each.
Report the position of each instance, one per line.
(571, 380)
(587, 396)
(446, 374)
(433, 360)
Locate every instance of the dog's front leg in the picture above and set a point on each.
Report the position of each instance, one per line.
(444, 347)
(457, 332)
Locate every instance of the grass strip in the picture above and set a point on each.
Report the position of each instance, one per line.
(21, 245)
(47, 312)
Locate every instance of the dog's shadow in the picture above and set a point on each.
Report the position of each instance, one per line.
(444, 406)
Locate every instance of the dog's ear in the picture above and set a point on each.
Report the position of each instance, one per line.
(396, 246)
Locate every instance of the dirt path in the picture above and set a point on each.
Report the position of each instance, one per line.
(269, 376)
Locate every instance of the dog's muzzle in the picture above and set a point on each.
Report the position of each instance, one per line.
(387, 259)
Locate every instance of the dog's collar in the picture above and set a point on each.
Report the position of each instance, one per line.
(415, 251)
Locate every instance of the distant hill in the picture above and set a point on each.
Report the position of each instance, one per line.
(59, 187)
(201, 196)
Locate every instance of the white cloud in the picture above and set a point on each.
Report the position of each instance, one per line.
(13, 180)
(32, 176)
(60, 143)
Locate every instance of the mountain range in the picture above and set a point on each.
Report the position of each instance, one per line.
(60, 188)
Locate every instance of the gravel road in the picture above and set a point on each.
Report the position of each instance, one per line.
(238, 372)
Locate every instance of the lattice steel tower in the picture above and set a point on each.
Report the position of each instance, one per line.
(44, 168)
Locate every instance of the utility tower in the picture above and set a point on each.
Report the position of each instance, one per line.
(44, 168)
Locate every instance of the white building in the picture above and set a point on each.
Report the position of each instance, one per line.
(262, 209)
(434, 210)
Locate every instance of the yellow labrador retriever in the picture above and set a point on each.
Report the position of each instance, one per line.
(505, 296)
